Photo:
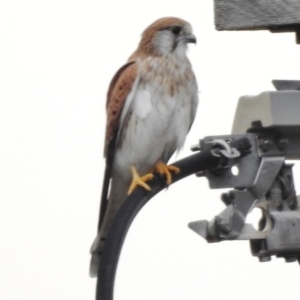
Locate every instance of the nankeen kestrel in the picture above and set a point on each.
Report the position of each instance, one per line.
(151, 105)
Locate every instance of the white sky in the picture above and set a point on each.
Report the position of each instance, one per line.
(56, 60)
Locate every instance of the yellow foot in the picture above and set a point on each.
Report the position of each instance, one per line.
(162, 168)
(137, 180)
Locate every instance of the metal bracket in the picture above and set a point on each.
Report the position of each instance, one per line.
(270, 123)
(229, 224)
(264, 181)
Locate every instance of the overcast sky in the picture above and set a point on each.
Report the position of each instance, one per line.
(56, 61)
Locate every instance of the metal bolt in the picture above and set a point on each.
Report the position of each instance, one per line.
(231, 195)
(292, 205)
(265, 144)
(222, 225)
(290, 259)
(280, 206)
(282, 143)
(226, 199)
(264, 258)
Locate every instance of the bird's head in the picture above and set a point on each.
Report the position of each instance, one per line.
(167, 36)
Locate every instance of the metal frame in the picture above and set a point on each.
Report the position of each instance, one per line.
(264, 179)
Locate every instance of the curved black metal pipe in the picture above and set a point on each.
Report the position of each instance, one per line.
(131, 206)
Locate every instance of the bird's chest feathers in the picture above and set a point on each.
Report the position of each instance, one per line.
(157, 114)
(164, 86)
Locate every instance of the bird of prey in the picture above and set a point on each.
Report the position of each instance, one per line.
(151, 105)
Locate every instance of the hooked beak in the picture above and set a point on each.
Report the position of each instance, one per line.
(190, 38)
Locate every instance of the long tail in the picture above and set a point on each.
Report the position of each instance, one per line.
(118, 193)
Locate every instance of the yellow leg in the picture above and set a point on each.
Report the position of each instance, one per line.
(162, 168)
(137, 180)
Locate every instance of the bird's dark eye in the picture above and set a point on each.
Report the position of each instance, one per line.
(176, 30)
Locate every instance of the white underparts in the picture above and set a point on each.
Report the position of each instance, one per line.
(142, 103)
(157, 115)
